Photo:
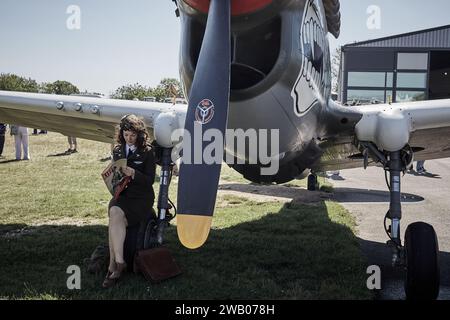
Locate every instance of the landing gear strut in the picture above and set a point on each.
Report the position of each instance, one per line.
(154, 235)
(394, 167)
(419, 256)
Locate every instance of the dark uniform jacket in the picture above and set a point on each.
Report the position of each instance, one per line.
(143, 162)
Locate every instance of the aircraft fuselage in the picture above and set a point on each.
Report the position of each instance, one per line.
(280, 78)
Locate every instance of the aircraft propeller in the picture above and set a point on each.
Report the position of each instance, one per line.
(207, 109)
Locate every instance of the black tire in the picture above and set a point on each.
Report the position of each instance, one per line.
(312, 182)
(422, 261)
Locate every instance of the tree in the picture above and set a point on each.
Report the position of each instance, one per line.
(159, 93)
(12, 82)
(168, 88)
(335, 66)
(132, 91)
(59, 87)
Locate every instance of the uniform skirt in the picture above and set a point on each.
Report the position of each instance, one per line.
(136, 209)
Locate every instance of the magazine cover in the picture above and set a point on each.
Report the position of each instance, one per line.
(114, 179)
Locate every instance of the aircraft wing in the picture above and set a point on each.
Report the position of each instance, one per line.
(84, 117)
(424, 125)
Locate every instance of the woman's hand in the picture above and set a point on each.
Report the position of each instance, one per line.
(129, 172)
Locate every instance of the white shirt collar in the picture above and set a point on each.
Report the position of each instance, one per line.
(132, 148)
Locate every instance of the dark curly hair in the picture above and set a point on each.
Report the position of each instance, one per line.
(133, 123)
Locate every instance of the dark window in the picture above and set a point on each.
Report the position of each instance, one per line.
(439, 75)
(366, 96)
(406, 96)
(369, 87)
(412, 61)
(411, 80)
(366, 79)
(375, 60)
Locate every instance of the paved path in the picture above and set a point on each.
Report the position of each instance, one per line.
(425, 198)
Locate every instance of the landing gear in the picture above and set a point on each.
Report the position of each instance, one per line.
(419, 256)
(313, 185)
(154, 235)
(394, 166)
(422, 262)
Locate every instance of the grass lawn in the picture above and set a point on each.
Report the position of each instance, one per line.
(53, 215)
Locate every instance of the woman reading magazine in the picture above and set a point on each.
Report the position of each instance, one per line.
(133, 204)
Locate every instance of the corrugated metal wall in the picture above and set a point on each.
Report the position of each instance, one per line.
(431, 39)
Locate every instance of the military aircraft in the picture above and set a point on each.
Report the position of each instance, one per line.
(266, 64)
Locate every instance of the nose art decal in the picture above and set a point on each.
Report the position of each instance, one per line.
(313, 82)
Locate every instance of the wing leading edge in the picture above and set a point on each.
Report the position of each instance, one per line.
(424, 125)
(84, 117)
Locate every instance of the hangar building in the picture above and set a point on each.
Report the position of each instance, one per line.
(406, 67)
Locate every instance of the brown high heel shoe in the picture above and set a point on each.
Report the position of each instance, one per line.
(110, 282)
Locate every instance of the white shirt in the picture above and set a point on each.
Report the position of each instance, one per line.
(132, 148)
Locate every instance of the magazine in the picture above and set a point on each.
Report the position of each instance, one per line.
(114, 179)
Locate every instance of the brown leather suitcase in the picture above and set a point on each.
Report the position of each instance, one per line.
(156, 264)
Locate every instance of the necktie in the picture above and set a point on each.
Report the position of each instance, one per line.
(130, 152)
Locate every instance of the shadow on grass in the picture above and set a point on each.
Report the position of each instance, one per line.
(62, 154)
(105, 159)
(296, 253)
(9, 161)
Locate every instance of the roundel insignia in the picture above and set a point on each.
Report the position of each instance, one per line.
(204, 111)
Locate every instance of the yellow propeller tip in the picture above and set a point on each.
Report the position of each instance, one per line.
(193, 230)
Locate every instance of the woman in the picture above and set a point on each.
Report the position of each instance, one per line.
(135, 203)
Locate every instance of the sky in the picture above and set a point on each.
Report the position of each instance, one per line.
(120, 42)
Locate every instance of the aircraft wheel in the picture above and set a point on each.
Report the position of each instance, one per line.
(422, 250)
(312, 182)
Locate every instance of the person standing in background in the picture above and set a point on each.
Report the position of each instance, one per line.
(420, 167)
(2, 138)
(72, 145)
(21, 140)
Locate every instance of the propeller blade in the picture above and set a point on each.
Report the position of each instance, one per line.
(208, 109)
